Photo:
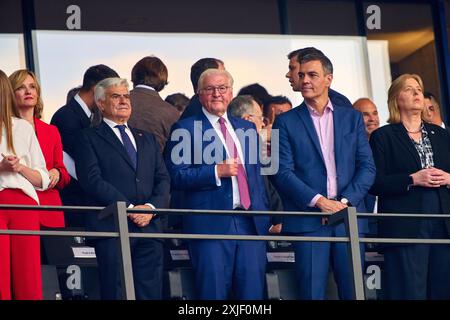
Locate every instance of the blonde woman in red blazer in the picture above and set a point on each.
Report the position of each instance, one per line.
(29, 105)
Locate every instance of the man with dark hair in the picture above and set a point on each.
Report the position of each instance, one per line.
(258, 92)
(178, 100)
(150, 112)
(275, 106)
(70, 119)
(432, 110)
(292, 75)
(325, 165)
(195, 107)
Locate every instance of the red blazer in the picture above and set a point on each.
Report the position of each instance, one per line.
(51, 146)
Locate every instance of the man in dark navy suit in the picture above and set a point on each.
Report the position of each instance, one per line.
(117, 163)
(218, 169)
(70, 119)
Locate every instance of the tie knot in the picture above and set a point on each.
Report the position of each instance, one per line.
(121, 127)
(221, 120)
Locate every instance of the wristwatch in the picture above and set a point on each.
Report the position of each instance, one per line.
(345, 201)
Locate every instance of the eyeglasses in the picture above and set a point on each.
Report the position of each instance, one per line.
(116, 96)
(211, 90)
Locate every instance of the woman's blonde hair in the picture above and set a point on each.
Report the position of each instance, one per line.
(17, 79)
(394, 90)
(7, 110)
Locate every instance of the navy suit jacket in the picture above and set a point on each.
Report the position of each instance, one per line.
(198, 182)
(339, 99)
(107, 175)
(396, 158)
(302, 173)
(193, 108)
(70, 120)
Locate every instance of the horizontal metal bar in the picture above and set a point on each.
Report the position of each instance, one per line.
(163, 211)
(225, 212)
(238, 212)
(173, 236)
(61, 233)
(236, 237)
(221, 237)
(403, 215)
(404, 240)
(48, 208)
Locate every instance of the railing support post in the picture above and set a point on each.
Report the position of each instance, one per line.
(126, 270)
(354, 251)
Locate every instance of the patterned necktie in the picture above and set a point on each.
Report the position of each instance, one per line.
(244, 193)
(131, 151)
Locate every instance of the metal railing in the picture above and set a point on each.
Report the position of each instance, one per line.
(348, 216)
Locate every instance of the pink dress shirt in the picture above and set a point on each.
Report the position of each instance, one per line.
(325, 131)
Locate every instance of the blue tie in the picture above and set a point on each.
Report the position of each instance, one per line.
(128, 144)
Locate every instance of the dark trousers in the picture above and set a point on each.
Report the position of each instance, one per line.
(147, 261)
(313, 259)
(418, 271)
(225, 266)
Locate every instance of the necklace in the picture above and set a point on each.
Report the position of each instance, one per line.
(416, 131)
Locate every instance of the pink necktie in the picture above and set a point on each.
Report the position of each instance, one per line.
(241, 177)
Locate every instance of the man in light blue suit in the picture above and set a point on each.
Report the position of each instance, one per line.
(213, 158)
(326, 165)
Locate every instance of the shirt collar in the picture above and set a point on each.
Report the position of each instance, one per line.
(145, 87)
(113, 124)
(83, 105)
(313, 111)
(214, 118)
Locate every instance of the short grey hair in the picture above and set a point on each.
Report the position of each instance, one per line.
(100, 88)
(219, 72)
(241, 105)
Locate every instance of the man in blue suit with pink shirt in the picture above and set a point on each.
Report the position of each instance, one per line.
(326, 165)
(218, 169)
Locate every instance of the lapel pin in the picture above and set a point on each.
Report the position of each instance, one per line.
(432, 132)
(140, 134)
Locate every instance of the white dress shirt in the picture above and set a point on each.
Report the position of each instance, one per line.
(29, 152)
(113, 125)
(214, 120)
(83, 105)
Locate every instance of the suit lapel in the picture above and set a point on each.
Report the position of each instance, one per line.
(104, 131)
(305, 117)
(404, 140)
